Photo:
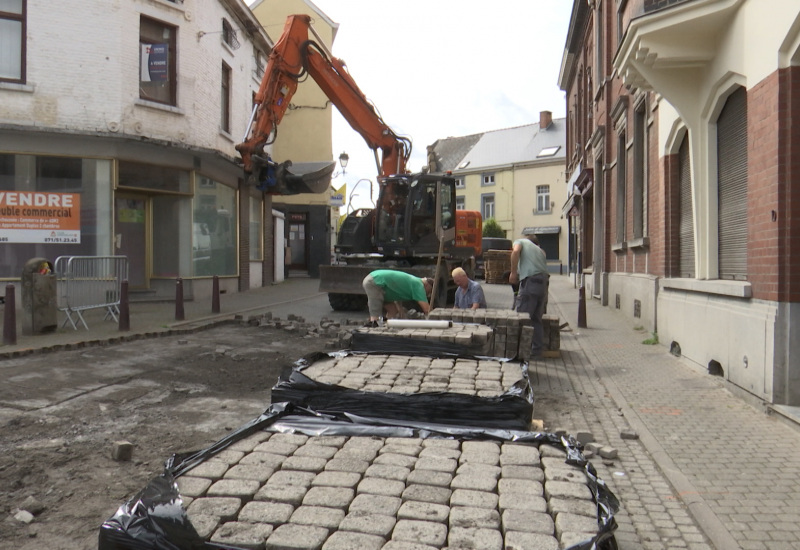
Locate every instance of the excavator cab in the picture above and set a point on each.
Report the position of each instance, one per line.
(413, 213)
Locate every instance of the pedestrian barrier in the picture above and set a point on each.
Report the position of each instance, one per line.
(89, 282)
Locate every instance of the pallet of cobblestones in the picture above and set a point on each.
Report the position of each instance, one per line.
(455, 339)
(496, 262)
(295, 479)
(461, 390)
(512, 333)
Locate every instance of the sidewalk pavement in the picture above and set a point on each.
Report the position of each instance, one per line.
(697, 467)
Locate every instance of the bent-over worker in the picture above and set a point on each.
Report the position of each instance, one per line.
(385, 288)
(469, 294)
(529, 269)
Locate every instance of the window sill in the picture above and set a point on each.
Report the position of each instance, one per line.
(542, 212)
(16, 87)
(734, 289)
(226, 135)
(619, 247)
(641, 243)
(159, 106)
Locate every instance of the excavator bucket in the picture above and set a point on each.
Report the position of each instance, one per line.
(303, 177)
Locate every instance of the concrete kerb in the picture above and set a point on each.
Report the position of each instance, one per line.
(706, 519)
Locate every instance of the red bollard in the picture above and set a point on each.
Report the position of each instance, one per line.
(215, 295)
(179, 314)
(124, 309)
(10, 318)
(582, 307)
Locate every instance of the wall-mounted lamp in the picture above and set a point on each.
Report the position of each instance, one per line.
(343, 160)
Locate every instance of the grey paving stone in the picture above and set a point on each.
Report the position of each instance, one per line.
(355, 465)
(425, 511)
(243, 488)
(276, 447)
(573, 523)
(267, 460)
(474, 468)
(336, 479)
(518, 454)
(551, 451)
(316, 450)
(427, 493)
(211, 469)
(516, 540)
(566, 489)
(533, 473)
(386, 471)
(290, 494)
(572, 506)
(474, 517)
(381, 486)
(229, 456)
(474, 482)
(412, 448)
(224, 508)
(475, 539)
(275, 513)
(480, 447)
(441, 442)
(467, 497)
(396, 459)
(528, 521)
(250, 442)
(519, 486)
(327, 440)
(243, 535)
(330, 497)
(305, 463)
(289, 439)
(425, 532)
(567, 473)
(349, 540)
(189, 486)
(522, 501)
(440, 452)
(291, 477)
(204, 524)
(405, 545)
(375, 504)
(430, 477)
(568, 540)
(440, 464)
(318, 515)
(291, 536)
(249, 471)
(371, 524)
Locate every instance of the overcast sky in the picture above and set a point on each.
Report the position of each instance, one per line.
(444, 68)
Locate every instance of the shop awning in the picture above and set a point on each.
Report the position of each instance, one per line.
(543, 230)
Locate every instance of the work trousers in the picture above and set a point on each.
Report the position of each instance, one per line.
(532, 299)
(375, 296)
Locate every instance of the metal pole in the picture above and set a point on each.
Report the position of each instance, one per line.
(215, 295)
(179, 314)
(10, 318)
(124, 309)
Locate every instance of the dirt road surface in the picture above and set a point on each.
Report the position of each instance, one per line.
(60, 414)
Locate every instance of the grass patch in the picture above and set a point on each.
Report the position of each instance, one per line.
(651, 341)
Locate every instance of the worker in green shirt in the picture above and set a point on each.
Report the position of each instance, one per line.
(386, 287)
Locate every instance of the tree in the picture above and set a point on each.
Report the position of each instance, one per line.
(492, 229)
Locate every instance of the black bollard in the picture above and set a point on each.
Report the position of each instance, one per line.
(124, 309)
(215, 295)
(179, 314)
(10, 318)
(582, 307)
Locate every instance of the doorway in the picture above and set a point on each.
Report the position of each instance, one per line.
(298, 242)
(131, 222)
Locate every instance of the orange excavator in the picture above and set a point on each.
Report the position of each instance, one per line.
(414, 226)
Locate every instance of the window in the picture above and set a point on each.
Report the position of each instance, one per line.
(686, 224)
(214, 207)
(461, 203)
(621, 187)
(487, 206)
(229, 35)
(12, 40)
(261, 63)
(256, 234)
(488, 179)
(460, 183)
(639, 168)
(548, 151)
(598, 44)
(542, 198)
(225, 99)
(157, 62)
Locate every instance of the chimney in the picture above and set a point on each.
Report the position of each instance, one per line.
(545, 119)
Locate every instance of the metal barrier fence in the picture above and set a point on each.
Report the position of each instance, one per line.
(89, 282)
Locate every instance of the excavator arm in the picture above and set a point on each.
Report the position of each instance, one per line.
(294, 55)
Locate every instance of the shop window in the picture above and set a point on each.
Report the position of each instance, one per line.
(157, 62)
(156, 178)
(12, 40)
(256, 231)
(214, 209)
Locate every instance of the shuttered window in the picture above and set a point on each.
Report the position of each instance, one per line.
(686, 228)
(732, 186)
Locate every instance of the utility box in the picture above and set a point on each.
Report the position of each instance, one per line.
(39, 299)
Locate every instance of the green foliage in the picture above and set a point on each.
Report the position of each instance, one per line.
(492, 229)
(651, 341)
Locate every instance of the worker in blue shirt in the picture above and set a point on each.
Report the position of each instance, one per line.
(469, 294)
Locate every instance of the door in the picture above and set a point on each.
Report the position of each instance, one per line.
(130, 236)
(298, 241)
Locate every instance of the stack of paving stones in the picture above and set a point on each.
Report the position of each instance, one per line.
(282, 491)
(475, 339)
(496, 262)
(417, 374)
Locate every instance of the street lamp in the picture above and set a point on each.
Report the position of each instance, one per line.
(343, 160)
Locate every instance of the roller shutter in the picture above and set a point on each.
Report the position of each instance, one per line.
(732, 186)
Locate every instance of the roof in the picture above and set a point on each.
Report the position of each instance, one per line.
(518, 145)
